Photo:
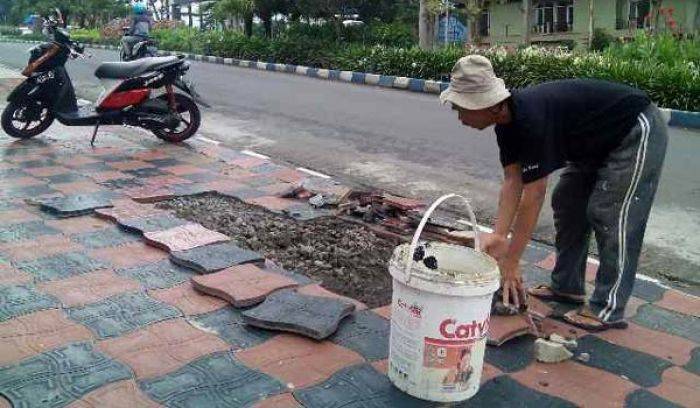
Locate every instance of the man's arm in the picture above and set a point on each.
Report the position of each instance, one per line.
(496, 244)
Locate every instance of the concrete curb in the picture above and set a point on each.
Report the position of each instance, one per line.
(676, 118)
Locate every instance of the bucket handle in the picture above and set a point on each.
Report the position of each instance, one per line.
(426, 217)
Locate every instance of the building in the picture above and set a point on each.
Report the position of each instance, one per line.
(560, 21)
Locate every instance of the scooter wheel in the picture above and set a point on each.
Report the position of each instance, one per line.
(25, 121)
(189, 124)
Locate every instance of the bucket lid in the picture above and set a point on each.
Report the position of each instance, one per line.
(447, 264)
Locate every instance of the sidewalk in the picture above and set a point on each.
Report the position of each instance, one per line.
(94, 316)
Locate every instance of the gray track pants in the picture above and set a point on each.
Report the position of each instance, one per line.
(614, 200)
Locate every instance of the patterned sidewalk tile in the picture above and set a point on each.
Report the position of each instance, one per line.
(121, 314)
(17, 216)
(512, 356)
(88, 288)
(680, 302)
(215, 257)
(318, 290)
(242, 286)
(278, 401)
(43, 246)
(311, 316)
(366, 333)
(66, 178)
(76, 205)
(183, 169)
(641, 368)
(139, 254)
(128, 165)
(359, 386)
(35, 333)
(505, 328)
(649, 291)
(217, 380)
(129, 209)
(188, 300)
(582, 385)
(17, 300)
(108, 237)
(25, 231)
(61, 266)
(694, 364)
(645, 399)
(47, 171)
(503, 391)
(297, 361)
(118, 394)
(184, 237)
(676, 350)
(78, 225)
(680, 387)
(162, 347)
(151, 224)
(60, 376)
(535, 253)
(159, 275)
(78, 187)
(668, 321)
(104, 176)
(228, 324)
(11, 276)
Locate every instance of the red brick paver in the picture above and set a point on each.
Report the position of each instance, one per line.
(188, 300)
(279, 401)
(243, 285)
(504, 328)
(382, 366)
(184, 237)
(17, 216)
(298, 361)
(12, 276)
(78, 225)
(130, 165)
(121, 394)
(162, 347)
(184, 169)
(89, 288)
(103, 176)
(40, 247)
(489, 372)
(78, 187)
(679, 386)
(31, 334)
(580, 384)
(48, 171)
(272, 203)
(674, 349)
(129, 255)
(128, 209)
(680, 302)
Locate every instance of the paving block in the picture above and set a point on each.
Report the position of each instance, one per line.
(649, 291)
(242, 193)
(366, 333)
(644, 399)
(61, 266)
(78, 187)
(151, 224)
(287, 310)
(228, 324)
(679, 386)
(297, 361)
(668, 321)
(124, 393)
(11, 276)
(188, 300)
(107, 237)
(162, 347)
(359, 386)
(217, 380)
(129, 209)
(121, 314)
(42, 246)
(124, 164)
(535, 252)
(318, 290)
(184, 237)
(34, 333)
(694, 364)
(641, 368)
(17, 300)
(76, 205)
(60, 376)
(215, 257)
(505, 328)
(88, 288)
(129, 255)
(78, 225)
(243, 285)
(159, 275)
(29, 192)
(675, 349)
(25, 230)
(279, 401)
(17, 216)
(503, 391)
(680, 302)
(511, 356)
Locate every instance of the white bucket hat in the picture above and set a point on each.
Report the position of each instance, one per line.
(474, 86)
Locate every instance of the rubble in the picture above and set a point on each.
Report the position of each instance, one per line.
(570, 344)
(550, 352)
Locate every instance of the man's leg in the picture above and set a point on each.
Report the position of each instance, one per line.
(619, 209)
(569, 203)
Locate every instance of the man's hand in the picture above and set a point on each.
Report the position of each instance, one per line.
(512, 283)
(495, 245)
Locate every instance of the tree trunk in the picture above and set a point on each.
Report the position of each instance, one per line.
(425, 33)
(591, 12)
(527, 12)
(248, 25)
(189, 15)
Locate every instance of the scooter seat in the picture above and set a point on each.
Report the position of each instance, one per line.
(123, 70)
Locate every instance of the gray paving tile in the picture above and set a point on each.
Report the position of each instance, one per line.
(228, 324)
(505, 392)
(121, 314)
(160, 275)
(151, 224)
(366, 333)
(649, 291)
(513, 355)
(59, 377)
(217, 380)
(76, 205)
(17, 300)
(61, 266)
(668, 321)
(645, 399)
(287, 310)
(694, 364)
(25, 230)
(107, 237)
(212, 258)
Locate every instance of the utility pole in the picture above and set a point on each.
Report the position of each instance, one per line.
(425, 40)
(527, 11)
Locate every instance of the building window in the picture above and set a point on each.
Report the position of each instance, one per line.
(485, 24)
(553, 16)
(639, 9)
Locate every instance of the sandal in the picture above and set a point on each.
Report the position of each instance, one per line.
(545, 292)
(585, 319)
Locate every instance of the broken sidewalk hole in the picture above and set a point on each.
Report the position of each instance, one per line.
(242, 286)
(214, 257)
(311, 316)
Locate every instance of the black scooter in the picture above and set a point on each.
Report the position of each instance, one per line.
(139, 93)
(135, 47)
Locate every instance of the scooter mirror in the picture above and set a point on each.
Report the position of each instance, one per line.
(59, 16)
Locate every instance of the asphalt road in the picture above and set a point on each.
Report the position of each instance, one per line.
(402, 142)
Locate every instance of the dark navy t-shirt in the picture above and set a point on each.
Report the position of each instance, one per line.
(572, 120)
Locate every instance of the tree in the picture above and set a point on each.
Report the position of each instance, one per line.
(426, 26)
(527, 13)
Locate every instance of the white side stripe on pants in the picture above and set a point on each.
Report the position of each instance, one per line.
(624, 214)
